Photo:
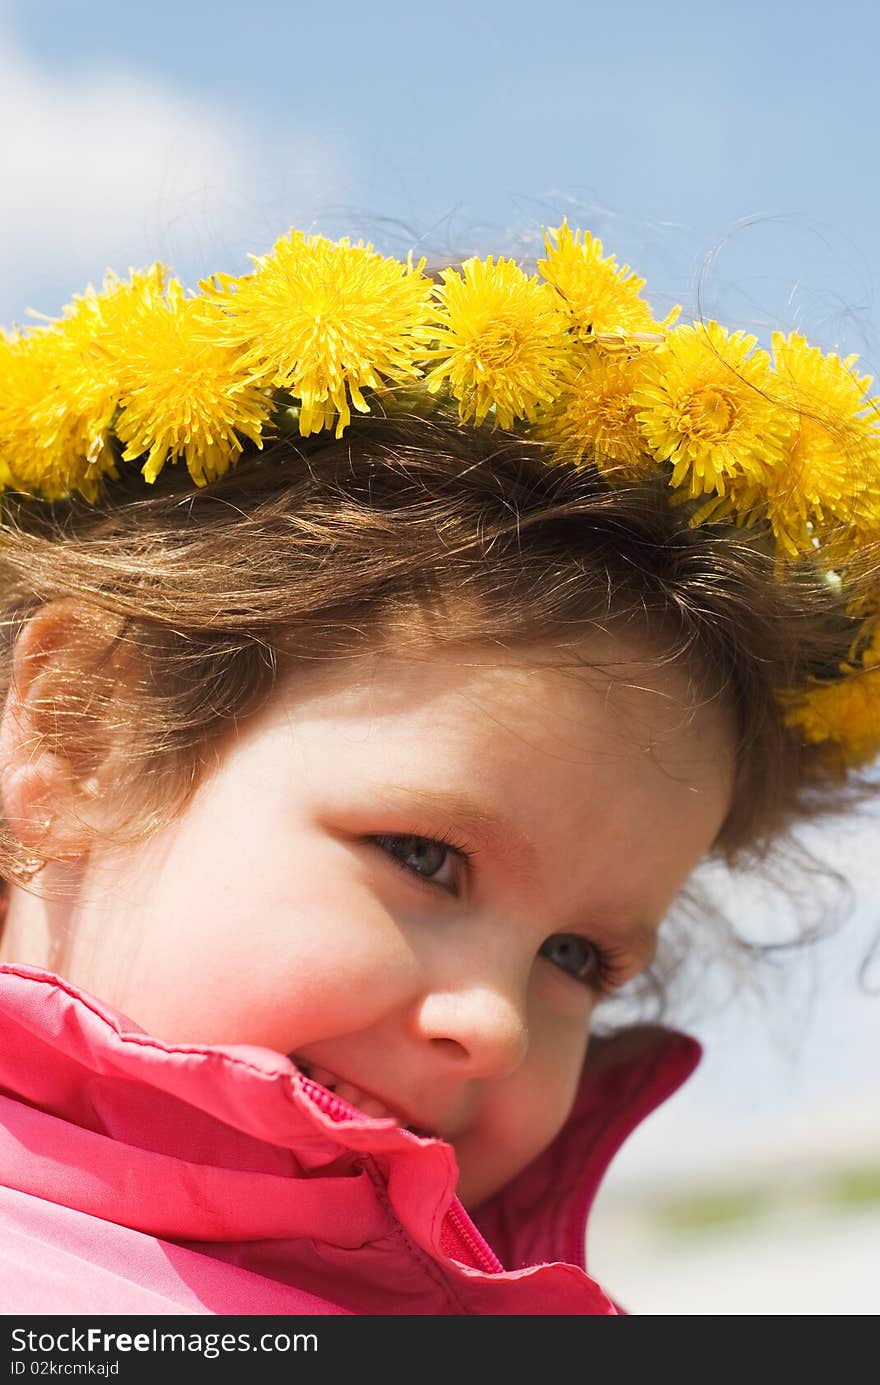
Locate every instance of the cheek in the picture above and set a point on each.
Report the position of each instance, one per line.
(548, 1082)
(521, 1118)
(334, 963)
(287, 951)
(338, 976)
(545, 1102)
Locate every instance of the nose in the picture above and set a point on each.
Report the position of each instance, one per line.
(478, 1030)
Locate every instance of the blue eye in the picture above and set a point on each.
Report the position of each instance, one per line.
(423, 857)
(579, 958)
(419, 854)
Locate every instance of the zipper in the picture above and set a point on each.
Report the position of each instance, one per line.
(480, 1254)
(460, 1237)
(331, 1104)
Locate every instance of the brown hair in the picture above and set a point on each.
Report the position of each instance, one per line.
(310, 549)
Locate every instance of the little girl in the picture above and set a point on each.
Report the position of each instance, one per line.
(350, 764)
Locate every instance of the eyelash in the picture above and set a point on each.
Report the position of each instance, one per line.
(610, 968)
(465, 853)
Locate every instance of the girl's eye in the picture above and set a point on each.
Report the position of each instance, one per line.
(424, 857)
(581, 959)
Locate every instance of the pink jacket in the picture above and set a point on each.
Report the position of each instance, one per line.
(150, 1178)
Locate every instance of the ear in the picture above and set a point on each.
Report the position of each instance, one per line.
(50, 779)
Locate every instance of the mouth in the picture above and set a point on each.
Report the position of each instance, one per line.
(363, 1101)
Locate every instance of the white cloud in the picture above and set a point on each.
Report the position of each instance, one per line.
(105, 168)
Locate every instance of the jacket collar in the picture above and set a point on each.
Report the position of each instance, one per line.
(98, 1114)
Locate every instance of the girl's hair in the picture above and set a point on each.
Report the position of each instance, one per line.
(193, 603)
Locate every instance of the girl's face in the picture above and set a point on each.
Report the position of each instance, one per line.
(417, 877)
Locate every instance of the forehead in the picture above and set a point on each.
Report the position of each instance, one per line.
(605, 678)
(608, 712)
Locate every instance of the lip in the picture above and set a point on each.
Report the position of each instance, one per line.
(395, 1113)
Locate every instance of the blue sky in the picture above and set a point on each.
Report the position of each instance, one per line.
(734, 137)
(675, 131)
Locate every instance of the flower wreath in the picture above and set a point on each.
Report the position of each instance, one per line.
(144, 372)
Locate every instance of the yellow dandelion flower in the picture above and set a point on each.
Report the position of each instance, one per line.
(830, 473)
(184, 395)
(59, 389)
(97, 320)
(595, 416)
(53, 441)
(15, 397)
(743, 503)
(325, 321)
(604, 298)
(38, 453)
(503, 342)
(845, 714)
(706, 405)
